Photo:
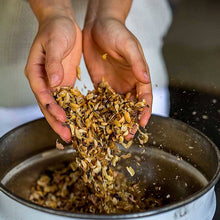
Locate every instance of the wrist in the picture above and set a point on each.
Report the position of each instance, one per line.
(110, 9)
(52, 8)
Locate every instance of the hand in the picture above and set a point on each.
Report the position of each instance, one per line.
(125, 68)
(52, 62)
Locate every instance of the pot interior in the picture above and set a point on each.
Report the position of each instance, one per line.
(176, 163)
(161, 174)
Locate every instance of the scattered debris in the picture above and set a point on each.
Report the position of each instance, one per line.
(104, 56)
(78, 72)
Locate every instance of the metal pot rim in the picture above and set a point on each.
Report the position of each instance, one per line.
(155, 211)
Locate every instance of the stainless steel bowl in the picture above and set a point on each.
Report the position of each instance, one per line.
(178, 163)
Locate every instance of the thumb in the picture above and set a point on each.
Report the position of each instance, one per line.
(53, 62)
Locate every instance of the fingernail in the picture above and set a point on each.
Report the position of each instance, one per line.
(64, 124)
(133, 130)
(147, 77)
(61, 119)
(54, 80)
(139, 116)
(68, 140)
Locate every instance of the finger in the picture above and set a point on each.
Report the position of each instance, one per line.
(38, 82)
(132, 132)
(60, 128)
(55, 50)
(144, 92)
(43, 94)
(132, 52)
(69, 66)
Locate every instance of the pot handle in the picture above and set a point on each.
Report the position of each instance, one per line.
(1, 189)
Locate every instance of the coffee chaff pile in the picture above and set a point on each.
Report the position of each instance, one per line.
(92, 184)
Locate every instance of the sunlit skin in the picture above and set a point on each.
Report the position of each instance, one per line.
(125, 67)
(57, 50)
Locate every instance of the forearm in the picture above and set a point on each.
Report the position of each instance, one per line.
(46, 8)
(108, 8)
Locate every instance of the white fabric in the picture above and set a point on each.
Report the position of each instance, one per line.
(13, 117)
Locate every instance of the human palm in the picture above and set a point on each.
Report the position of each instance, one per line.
(125, 68)
(53, 58)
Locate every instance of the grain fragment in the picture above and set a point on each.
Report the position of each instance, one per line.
(130, 170)
(78, 72)
(104, 56)
(97, 122)
(59, 146)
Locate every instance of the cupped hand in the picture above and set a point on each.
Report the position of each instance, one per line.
(124, 68)
(52, 62)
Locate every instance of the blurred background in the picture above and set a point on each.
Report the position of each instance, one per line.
(191, 52)
(192, 55)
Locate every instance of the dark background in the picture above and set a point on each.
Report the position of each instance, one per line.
(192, 55)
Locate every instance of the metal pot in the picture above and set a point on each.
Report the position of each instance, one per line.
(178, 162)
